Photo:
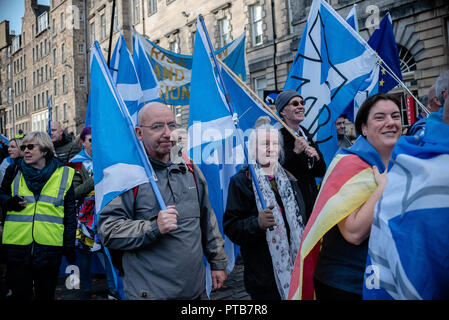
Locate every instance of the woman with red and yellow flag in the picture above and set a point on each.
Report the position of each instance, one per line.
(331, 259)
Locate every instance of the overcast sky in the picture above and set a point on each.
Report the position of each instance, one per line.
(13, 11)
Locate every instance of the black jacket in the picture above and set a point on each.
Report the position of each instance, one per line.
(39, 255)
(297, 165)
(240, 224)
(66, 149)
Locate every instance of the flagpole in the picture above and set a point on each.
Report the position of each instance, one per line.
(140, 149)
(401, 84)
(111, 32)
(231, 109)
(49, 103)
(254, 95)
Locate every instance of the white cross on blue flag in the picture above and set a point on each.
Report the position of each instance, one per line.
(330, 67)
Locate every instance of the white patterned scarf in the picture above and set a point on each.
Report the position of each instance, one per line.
(283, 253)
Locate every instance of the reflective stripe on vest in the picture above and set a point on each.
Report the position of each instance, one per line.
(41, 220)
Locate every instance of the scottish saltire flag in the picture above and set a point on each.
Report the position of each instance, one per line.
(117, 168)
(351, 19)
(369, 87)
(81, 157)
(173, 71)
(383, 42)
(409, 240)
(330, 67)
(147, 78)
(213, 142)
(125, 77)
(348, 183)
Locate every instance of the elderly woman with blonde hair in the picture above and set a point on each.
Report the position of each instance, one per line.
(40, 221)
(268, 238)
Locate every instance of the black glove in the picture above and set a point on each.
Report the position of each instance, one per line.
(70, 255)
(12, 204)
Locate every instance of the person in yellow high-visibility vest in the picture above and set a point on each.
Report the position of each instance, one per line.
(40, 222)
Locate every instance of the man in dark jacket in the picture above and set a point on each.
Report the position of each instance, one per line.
(302, 158)
(65, 148)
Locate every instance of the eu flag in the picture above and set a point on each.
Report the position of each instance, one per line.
(383, 42)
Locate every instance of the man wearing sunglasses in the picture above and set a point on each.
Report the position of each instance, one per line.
(163, 249)
(302, 156)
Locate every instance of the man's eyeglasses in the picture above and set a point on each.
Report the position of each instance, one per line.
(29, 146)
(159, 126)
(295, 103)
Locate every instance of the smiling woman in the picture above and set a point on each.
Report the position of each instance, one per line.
(341, 261)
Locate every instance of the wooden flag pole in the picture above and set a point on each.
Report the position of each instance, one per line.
(254, 95)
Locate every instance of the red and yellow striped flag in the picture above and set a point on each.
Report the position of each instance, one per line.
(348, 183)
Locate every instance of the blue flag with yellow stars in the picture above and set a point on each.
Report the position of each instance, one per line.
(383, 42)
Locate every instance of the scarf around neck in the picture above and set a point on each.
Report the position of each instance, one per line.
(283, 253)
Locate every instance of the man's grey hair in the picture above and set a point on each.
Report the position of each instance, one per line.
(441, 85)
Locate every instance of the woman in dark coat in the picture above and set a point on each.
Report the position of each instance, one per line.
(269, 239)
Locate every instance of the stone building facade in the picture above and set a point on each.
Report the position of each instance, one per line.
(273, 29)
(6, 94)
(48, 62)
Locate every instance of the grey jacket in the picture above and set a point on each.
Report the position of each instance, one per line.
(168, 266)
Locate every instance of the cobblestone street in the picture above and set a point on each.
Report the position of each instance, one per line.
(233, 288)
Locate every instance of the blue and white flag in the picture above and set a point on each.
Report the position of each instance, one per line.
(117, 168)
(213, 142)
(409, 240)
(327, 76)
(125, 77)
(147, 78)
(351, 19)
(173, 71)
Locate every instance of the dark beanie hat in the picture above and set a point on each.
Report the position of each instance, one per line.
(283, 98)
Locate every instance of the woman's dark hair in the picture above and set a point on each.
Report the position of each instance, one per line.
(362, 114)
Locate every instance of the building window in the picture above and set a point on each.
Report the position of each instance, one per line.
(136, 11)
(81, 48)
(225, 34)
(152, 6)
(103, 27)
(56, 114)
(408, 63)
(55, 87)
(82, 81)
(116, 18)
(63, 53)
(256, 24)
(92, 32)
(55, 57)
(64, 83)
(53, 29)
(42, 22)
(15, 44)
(62, 21)
(64, 110)
(260, 84)
(174, 46)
